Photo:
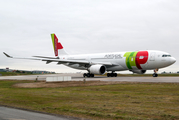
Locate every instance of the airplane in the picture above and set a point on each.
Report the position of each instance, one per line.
(135, 61)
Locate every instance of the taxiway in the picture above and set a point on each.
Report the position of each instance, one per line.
(17, 114)
(78, 77)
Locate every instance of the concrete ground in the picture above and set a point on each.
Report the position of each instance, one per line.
(79, 77)
(16, 114)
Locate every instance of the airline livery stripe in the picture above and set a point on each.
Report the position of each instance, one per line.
(136, 59)
(52, 35)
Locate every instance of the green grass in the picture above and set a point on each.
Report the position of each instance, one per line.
(128, 101)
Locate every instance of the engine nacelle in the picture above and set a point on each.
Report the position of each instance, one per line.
(139, 71)
(97, 69)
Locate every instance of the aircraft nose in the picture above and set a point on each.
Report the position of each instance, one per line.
(172, 60)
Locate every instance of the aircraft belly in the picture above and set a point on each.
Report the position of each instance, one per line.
(157, 64)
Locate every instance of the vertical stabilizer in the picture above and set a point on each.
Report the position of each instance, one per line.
(58, 48)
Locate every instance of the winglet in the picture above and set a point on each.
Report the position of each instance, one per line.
(7, 55)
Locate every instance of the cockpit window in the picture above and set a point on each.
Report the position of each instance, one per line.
(166, 55)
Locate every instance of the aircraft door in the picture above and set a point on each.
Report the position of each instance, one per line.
(152, 56)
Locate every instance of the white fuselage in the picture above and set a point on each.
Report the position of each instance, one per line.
(119, 61)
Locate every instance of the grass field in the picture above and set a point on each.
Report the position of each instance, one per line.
(129, 101)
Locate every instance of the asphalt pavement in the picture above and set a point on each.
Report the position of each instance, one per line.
(16, 114)
(79, 77)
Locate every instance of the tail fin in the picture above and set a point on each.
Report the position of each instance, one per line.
(58, 48)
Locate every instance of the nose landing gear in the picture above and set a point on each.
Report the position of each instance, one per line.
(155, 73)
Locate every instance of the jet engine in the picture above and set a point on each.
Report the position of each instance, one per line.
(138, 71)
(97, 69)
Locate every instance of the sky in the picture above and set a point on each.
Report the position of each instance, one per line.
(86, 26)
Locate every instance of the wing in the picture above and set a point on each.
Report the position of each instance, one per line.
(50, 59)
(62, 61)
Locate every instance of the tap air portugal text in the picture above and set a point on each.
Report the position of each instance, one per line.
(134, 61)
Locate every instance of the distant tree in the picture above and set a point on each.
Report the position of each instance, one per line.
(17, 71)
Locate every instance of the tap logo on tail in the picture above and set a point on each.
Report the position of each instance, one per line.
(56, 45)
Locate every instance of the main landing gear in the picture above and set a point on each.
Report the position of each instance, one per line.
(155, 73)
(112, 74)
(88, 75)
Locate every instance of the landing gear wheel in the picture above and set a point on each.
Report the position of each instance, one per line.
(108, 74)
(115, 74)
(84, 75)
(88, 75)
(111, 74)
(91, 75)
(155, 75)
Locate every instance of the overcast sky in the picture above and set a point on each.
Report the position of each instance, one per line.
(86, 26)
